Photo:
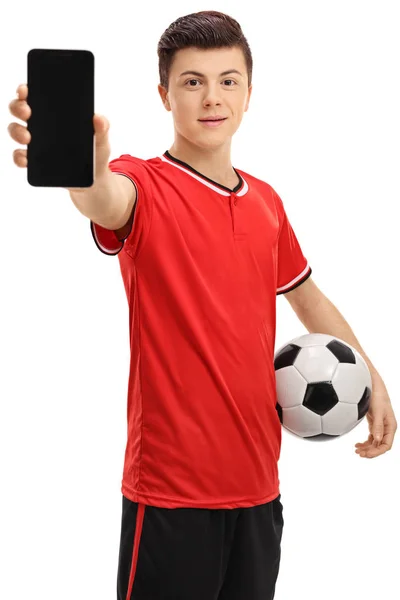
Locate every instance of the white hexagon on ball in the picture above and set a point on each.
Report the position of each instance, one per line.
(349, 381)
(316, 364)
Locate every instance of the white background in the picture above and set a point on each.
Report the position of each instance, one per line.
(323, 129)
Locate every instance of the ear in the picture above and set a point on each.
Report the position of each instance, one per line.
(248, 98)
(164, 97)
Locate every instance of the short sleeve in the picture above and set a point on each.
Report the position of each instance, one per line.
(292, 266)
(138, 225)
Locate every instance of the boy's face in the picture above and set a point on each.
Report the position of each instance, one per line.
(192, 97)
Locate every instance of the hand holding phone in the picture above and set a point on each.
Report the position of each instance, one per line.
(61, 124)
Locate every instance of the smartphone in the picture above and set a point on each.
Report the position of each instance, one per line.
(61, 97)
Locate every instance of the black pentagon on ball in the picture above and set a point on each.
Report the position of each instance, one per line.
(286, 356)
(343, 353)
(280, 412)
(363, 405)
(320, 397)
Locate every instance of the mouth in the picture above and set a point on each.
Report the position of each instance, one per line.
(212, 119)
(212, 122)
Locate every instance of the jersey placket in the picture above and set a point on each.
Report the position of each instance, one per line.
(237, 229)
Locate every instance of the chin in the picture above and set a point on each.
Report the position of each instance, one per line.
(207, 140)
(211, 145)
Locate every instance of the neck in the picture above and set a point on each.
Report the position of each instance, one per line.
(214, 163)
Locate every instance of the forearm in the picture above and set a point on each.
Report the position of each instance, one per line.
(324, 317)
(102, 201)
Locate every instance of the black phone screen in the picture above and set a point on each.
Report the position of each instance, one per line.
(61, 97)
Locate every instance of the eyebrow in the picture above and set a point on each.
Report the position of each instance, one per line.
(202, 74)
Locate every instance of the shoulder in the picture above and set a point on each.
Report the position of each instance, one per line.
(140, 170)
(146, 163)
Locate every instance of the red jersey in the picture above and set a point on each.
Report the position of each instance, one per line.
(202, 266)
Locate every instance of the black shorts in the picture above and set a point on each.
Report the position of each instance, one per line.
(199, 554)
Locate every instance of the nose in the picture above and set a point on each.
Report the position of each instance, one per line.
(212, 95)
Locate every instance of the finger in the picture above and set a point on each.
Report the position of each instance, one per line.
(373, 452)
(22, 91)
(20, 109)
(388, 439)
(369, 444)
(19, 133)
(20, 158)
(364, 449)
(368, 441)
(365, 446)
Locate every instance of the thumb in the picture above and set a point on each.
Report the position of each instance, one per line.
(101, 126)
(377, 428)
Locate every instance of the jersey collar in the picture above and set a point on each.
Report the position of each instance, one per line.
(240, 190)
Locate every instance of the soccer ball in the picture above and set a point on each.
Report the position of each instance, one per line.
(323, 386)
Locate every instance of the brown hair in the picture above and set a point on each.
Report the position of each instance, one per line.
(206, 30)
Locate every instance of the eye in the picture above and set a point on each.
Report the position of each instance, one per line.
(225, 80)
(190, 80)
